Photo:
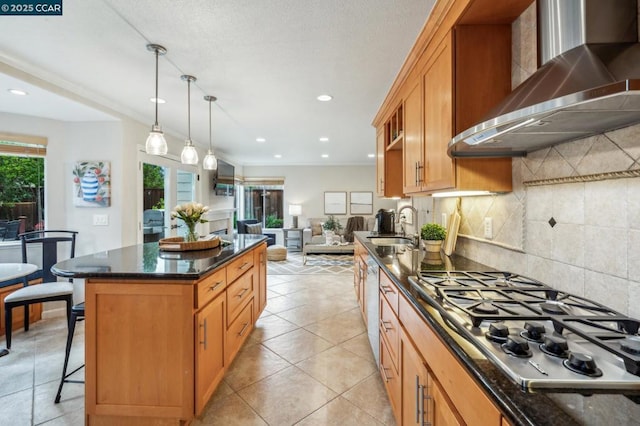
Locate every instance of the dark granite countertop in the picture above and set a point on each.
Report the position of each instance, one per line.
(147, 261)
(520, 407)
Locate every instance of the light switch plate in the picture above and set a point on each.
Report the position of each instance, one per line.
(488, 228)
(100, 220)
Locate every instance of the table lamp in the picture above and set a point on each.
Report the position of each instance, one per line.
(295, 210)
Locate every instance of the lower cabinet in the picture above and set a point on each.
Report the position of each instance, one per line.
(210, 334)
(425, 383)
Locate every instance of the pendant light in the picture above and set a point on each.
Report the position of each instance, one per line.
(189, 154)
(210, 161)
(156, 144)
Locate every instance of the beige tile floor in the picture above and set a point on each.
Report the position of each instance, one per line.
(307, 362)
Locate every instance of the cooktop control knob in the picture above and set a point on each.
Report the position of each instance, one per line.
(498, 332)
(517, 346)
(582, 364)
(533, 331)
(555, 346)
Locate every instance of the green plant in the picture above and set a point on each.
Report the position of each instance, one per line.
(432, 231)
(332, 224)
(159, 205)
(272, 221)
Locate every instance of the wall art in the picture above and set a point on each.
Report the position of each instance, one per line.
(92, 184)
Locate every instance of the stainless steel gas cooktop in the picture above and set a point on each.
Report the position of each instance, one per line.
(539, 336)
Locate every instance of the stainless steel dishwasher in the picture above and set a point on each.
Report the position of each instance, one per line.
(372, 306)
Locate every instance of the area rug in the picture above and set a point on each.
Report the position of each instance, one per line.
(316, 264)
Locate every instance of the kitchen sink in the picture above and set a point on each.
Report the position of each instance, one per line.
(391, 241)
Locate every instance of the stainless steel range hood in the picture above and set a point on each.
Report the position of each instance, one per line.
(589, 82)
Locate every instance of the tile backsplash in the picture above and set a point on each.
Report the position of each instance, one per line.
(573, 218)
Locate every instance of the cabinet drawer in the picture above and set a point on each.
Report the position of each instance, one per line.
(238, 331)
(237, 295)
(239, 266)
(391, 380)
(210, 287)
(390, 330)
(389, 290)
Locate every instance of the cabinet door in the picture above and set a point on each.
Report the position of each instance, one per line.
(444, 413)
(210, 335)
(260, 278)
(412, 150)
(380, 169)
(438, 118)
(414, 386)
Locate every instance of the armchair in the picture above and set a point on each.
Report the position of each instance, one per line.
(244, 229)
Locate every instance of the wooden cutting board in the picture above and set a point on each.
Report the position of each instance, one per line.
(452, 233)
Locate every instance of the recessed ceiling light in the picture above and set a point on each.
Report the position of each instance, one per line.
(278, 156)
(325, 156)
(371, 155)
(158, 100)
(324, 139)
(261, 140)
(325, 98)
(18, 92)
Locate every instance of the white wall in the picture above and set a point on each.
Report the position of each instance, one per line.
(306, 185)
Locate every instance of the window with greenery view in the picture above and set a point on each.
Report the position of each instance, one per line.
(263, 202)
(22, 189)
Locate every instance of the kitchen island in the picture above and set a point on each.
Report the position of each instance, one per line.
(460, 383)
(162, 327)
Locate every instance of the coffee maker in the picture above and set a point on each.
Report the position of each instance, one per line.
(385, 222)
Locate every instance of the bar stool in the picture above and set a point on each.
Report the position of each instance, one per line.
(77, 314)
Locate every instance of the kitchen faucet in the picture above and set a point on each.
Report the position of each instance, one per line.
(416, 236)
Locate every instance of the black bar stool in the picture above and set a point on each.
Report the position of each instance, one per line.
(77, 314)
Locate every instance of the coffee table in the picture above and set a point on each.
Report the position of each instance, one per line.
(310, 249)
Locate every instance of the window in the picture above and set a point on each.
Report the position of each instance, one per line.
(22, 179)
(262, 200)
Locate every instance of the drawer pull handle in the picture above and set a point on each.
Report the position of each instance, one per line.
(244, 265)
(204, 342)
(384, 372)
(239, 295)
(218, 284)
(387, 289)
(246, 324)
(384, 326)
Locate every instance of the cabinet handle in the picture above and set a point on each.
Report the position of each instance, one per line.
(244, 328)
(218, 284)
(384, 372)
(244, 265)
(424, 410)
(387, 289)
(244, 290)
(204, 342)
(417, 171)
(383, 324)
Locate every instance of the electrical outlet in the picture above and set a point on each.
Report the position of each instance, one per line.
(488, 228)
(100, 220)
(444, 220)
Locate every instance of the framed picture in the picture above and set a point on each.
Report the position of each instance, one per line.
(361, 202)
(92, 184)
(335, 202)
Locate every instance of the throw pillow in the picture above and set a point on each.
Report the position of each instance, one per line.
(316, 227)
(254, 228)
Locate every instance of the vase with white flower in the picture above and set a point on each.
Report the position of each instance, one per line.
(191, 214)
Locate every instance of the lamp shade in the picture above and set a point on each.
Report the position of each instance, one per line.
(295, 209)
(210, 161)
(189, 154)
(156, 144)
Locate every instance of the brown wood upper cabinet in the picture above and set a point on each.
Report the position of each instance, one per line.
(456, 72)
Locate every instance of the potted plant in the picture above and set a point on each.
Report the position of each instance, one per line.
(432, 236)
(331, 227)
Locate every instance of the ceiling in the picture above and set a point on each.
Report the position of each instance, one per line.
(265, 61)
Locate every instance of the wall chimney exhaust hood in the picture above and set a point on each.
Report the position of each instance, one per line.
(589, 82)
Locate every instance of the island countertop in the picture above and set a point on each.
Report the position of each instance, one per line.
(147, 261)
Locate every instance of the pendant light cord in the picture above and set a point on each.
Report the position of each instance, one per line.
(209, 125)
(157, 54)
(189, 108)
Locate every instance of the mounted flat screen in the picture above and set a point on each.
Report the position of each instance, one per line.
(223, 181)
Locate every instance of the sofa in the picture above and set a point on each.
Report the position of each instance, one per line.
(313, 232)
(253, 226)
